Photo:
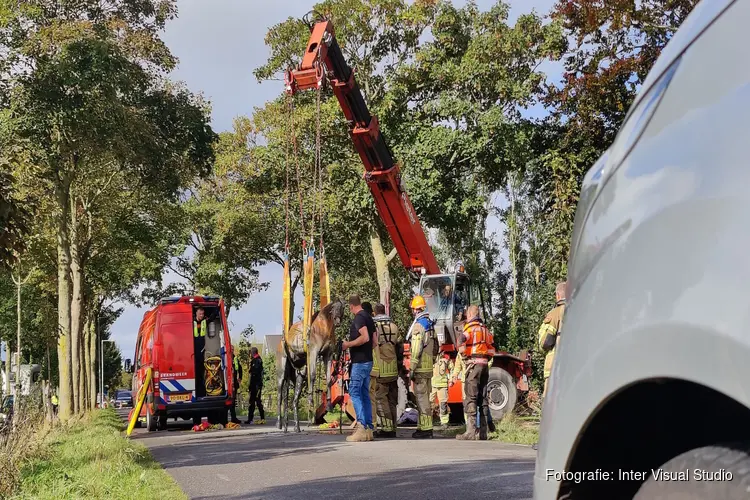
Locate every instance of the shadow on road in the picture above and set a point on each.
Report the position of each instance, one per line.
(480, 479)
(217, 450)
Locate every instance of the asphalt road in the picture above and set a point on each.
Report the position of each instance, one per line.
(260, 462)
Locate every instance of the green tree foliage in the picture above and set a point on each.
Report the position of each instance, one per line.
(84, 82)
(109, 171)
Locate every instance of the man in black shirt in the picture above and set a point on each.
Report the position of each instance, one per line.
(359, 344)
(256, 386)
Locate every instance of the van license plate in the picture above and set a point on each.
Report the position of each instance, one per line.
(179, 397)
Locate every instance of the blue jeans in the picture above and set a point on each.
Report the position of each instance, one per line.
(359, 392)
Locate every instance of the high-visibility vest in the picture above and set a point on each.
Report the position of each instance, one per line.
(479, 341)
(422, 337)
(440, 373)
(387, 339)
(202, 332)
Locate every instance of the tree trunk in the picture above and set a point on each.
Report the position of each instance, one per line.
(92, 359)
(65, 410)
(513, 249)
(381, 268)
(19, 285)
(86, 365)
(76, 309)
(47, 395)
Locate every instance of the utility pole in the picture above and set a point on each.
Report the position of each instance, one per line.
(19, 282)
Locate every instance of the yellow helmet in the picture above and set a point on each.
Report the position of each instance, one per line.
(418, 302)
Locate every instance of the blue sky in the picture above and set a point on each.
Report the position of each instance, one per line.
(218, 44)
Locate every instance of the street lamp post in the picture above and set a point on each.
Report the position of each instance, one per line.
(101, 373)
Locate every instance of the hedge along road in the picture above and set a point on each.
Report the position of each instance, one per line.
(263, 463)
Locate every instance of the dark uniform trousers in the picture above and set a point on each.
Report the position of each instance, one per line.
(477, 377)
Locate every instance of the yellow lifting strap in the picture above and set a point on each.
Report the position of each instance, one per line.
(139, 401)
(309, 278)
(325, 284)
(286, 301)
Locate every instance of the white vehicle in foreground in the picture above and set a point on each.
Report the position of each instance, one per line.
(650, 391)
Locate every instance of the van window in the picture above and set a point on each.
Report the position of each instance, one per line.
(138, 352)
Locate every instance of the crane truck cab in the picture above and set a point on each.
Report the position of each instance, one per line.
(191, 364)
(447, 297)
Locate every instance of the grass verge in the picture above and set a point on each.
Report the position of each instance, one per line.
(512, 429)
(91, 459)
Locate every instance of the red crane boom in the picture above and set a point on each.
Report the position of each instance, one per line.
(323, 58)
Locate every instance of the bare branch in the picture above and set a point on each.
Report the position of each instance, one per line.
(178, 273)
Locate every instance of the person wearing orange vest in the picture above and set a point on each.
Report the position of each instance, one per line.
(477, 349)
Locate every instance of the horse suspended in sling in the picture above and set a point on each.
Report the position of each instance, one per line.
(293, 362)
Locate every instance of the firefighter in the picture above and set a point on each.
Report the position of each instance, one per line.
(256, 387)
(440, 375)
(236, 379)
(478, 349)
(549, 332)
(55, 403)
(199, 346)
(423, 350)
(390, 358)
(375, 369)
(459, 373)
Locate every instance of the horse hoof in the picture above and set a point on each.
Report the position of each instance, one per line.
(297, 429)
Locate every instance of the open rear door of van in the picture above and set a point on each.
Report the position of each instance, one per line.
(177, 359)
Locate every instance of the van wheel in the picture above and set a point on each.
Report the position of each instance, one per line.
(501, 393)
(163, 421)
(725, 473)
(150, 420)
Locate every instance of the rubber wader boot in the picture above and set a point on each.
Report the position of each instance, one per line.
(359, 435)
(419, 434)
(471, 431)
(490, 423)
(385, 434)
(483, 428)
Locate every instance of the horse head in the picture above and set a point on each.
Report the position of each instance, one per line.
(337, 312)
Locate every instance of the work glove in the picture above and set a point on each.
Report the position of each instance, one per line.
(411, 374)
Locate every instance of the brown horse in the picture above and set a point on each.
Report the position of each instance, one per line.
(292, 360)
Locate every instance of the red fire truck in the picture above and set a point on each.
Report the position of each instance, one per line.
(169, 344)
